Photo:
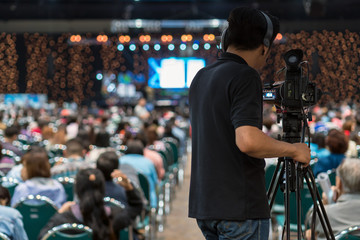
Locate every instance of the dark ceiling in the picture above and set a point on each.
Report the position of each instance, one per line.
(162, 9)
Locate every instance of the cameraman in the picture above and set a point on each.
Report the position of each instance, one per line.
(227, 189)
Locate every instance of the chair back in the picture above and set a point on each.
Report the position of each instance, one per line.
(36, 212)
(332, 176)
(69, 231)
(10, 184)
(4, 236)
(351, 233)
(145, 186)
(68, 184)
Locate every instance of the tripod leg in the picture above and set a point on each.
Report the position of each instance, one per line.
(287, 199)
(271, 194)
(312, 178)
(299, 178)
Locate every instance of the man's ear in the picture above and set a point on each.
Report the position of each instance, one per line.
(265, 50)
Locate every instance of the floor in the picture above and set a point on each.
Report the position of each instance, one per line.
(178, 225)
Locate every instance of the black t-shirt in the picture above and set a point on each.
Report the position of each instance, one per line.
(226, 184)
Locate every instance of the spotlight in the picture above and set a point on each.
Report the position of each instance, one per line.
(132, 47)
(182, 46)
(120, 47)
(146, 47)
(157, 47)
(195, 46)
(99, 76)
(171, 47)
(207, 46)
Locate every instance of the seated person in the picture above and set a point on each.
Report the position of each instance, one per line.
(10, 135)
(74, 155)
(11, 223)
(90, 210)
(107, 163)
(337, 143)
(345, 212)
(135, 157)
(36, 176)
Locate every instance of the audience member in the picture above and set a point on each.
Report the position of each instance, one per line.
(10, 135)
(74, 161)
(141, 111)
(348, 127)
(345, 212)
(337, 143)
(135, 157)
(37, 181)
(11, 223)
(90, 210)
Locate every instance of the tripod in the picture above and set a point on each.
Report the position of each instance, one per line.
(291, 178)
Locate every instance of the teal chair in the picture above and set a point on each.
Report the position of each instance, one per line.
(148, 217)
(62, 232)
(10, 184)
(332, 176)
(127, 233)
(36, 212)
(4, 236)
(68, 184)
(351, 233)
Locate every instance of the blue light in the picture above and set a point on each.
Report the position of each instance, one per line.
(171, 47)
(120, 47)
(146, 47)
(207, 46)
(157, 47)
(195, 46)
(99, 76)
(182, 46)
(132, 47)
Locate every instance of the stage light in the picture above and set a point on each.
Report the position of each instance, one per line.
(142, 38)
(147, 38)
(207, 46)
(102, 38)
(195, 46)
(146, 47)
(171, 47)
(206, 37)
(99, 76)
(157, 47)
(120, 47)
(183, 38)
(182, 46)
(124, 39)
(278, 37)
(75, 38)
(164, 38)
(132, 47)
(138, 23)
(127, 38)
(211, 37)
(169, 38)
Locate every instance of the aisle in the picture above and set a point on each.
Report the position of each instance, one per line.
(178, 225)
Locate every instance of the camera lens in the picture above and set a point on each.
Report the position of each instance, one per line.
(293, 59)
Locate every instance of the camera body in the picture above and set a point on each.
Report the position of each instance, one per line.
(296, 91)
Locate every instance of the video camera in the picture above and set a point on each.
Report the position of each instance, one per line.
(296, 91)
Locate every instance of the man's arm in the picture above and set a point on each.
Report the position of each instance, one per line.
(255, 143)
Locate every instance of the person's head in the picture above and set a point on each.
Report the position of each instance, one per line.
(11, 133)
(337, 142)
(4, 196)
(348, 175)
(107, 163)
(90, 189)
(74, 148)
(135, 147)
(142, 102)
(248, 27)
(36, 164)
(102, 139)
(319, 139)
(151, 134)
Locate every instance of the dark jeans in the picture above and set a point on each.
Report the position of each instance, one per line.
(257, 229)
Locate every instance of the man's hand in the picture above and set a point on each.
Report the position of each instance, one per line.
(302, 153)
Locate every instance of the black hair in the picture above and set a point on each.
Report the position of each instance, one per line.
(135, 147)
(247, 28)
(102, 139)
(11, 131)
(107, 163)
(4, 194)
(74, 147)
(90, 189)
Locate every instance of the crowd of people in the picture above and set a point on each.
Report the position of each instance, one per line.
(103, 150)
